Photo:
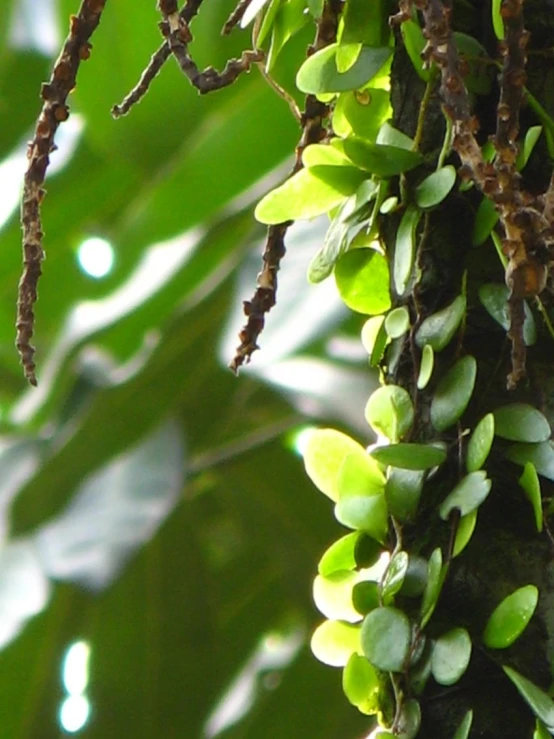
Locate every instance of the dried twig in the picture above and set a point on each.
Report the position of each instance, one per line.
(236, 16)
(54, 111)
(313, 131)
(155, 64)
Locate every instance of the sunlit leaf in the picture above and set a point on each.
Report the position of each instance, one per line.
(333, 596)
(333, 642)
(426, 367)
(361, 113)
(319, 72)
(362, 278)
(340, 555)
(397, 322)
(390, 412)
(360, 684)
(510, 618)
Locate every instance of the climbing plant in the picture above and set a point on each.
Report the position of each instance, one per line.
(427, 142)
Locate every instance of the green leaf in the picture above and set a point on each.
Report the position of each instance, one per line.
(374, 338)
(252, 11)
(436, 574)
(538, 701)
(541, 732)
(381, 160)
(405, 248)
(390, 136)
(510, 618)
(315, 155)
(540, 455)
(385, 639)
(453, 393)
(480, 76)
(397, 322)
(416, 577)
(494, 297)
(402, 492)
(436, 187)
(394, 577)
(438, 329)
(360, 684)
(333, 642)
(361, 113)
(485, 220)
(497, 20)
(365, 596)
(308, 193)
(409, 456)
(268, 21)
(451, 655)
(529, 481)
(531, 137)
(316, 7)
(426, 367)
(414, 42)
(340, 555)
(333, 596)
(362, 23)
(521, 422)
(325, 452)
(390, 412)
(289, 18)
(468, 494)
(361, 501)
(362, 278)
(480, 443)
(319, 73)
(462, 732)
(464, 532)
(408, 721)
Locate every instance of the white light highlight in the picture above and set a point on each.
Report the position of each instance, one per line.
(74, 713)
(299, 439)
(75, 668)
(96, 257)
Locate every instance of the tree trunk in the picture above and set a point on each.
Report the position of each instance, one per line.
(505, 551)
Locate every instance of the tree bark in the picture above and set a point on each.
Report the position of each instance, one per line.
(505, 552)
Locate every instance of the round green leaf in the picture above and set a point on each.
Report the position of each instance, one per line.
(361, 114)
(309, 193)
(360, 684)
(405, 248)
(426, 367)
(541, 456)
(359, 474)
(453, 393)
(362, 278)
(394, 577)
(365, 596)
(390, 412)
(414, 43)
(381, 160)
(434, 188)
(451, 655)
(415, 579)
(385, 638)
(466, 527)
(468, 494)
(366, 513)
(397, 322)
(521, 422)
(540, 702)
(480, 443)
(402, 492)
(435, 579)
(462, 732)
(438, 329)
(408, 720)
(409, 456)
(325, 452)
(333, 595)
(510, 617)
(529, 481)
(341, 555)
(334, 641)
(374, 338)
(319, 73)
(494, 297)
